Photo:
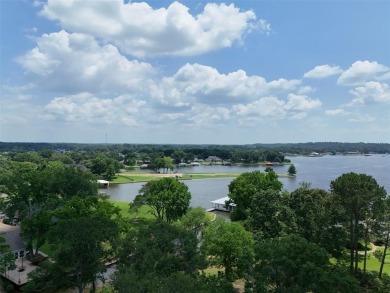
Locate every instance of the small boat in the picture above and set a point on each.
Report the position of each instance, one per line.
(269, 164)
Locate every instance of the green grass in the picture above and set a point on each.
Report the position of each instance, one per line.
(143, 211)
(122, 179)
(373, 264)
(46, 249)
(130, 177)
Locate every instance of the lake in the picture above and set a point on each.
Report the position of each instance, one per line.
(319, 171)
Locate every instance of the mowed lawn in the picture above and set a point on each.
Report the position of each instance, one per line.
(132, 177)
(143, 211)
(373, 264)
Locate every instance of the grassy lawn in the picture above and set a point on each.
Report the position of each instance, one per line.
(143, 212)
(373, 264)
(130, 177)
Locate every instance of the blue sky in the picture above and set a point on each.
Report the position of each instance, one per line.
(195, 72)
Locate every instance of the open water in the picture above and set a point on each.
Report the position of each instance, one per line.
(318, 171)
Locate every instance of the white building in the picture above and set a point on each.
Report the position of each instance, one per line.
(220, 205)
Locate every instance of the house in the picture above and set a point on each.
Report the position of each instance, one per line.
(103, 183)
(220, 205)
(212, 159)
(12, 237)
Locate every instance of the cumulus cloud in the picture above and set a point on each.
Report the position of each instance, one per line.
(206, 116)
(371, 92)
(363, 71)
(195, 83)
(141, 30)
(336, 112)
(75, 62)
(303, 90)
(362, 118)
(323, 71)
(301, 102)
(295, 107)
(89, 108)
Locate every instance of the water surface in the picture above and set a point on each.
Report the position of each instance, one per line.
(319, 171)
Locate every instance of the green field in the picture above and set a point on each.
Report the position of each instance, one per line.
(143, 212)
(131, 177)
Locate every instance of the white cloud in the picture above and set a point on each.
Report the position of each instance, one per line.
(72, 63)
(282, 85)
(272, 107)
(206, 116)
(301, 102)
(336, 112)
(363, 71)
(88, 108)
(371, 92)
(323, 71)
(362, 118)
(303, 90)
(195, 83)
(264, 107)
(298, 116)
(141, 30)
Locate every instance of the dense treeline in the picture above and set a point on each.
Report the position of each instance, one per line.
(293, 148)
(106, 163)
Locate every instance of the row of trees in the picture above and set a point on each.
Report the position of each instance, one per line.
(201, 150)
(108, 163)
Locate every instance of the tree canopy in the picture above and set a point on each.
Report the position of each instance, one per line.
(244, 187)
(361, 198)
(168, 198)
(230, 247)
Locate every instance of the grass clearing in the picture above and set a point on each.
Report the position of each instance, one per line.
(132, 177)
(143, 211)
(373, 264)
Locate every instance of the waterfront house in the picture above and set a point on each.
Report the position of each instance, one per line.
(220, 205)
(213, 159)
(103, 183)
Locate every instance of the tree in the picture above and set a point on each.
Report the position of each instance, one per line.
(104, 166)
(178, 156)
(83, 238)
(168, 198)
(35, 191)
(154, 254)
(130, 159)
(291, 170)
(196, 220)
(269, 215)
(317, 218)
(178, 282)
(229, 246)
(360, 196)
(47, 277)
(292, 264)
(7, 258)
(244, 187)
(385, 229)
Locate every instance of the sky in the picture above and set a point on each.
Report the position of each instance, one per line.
(195, 72)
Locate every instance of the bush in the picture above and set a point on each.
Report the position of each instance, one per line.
(9, 288)
(37, 259)
(379, 242)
